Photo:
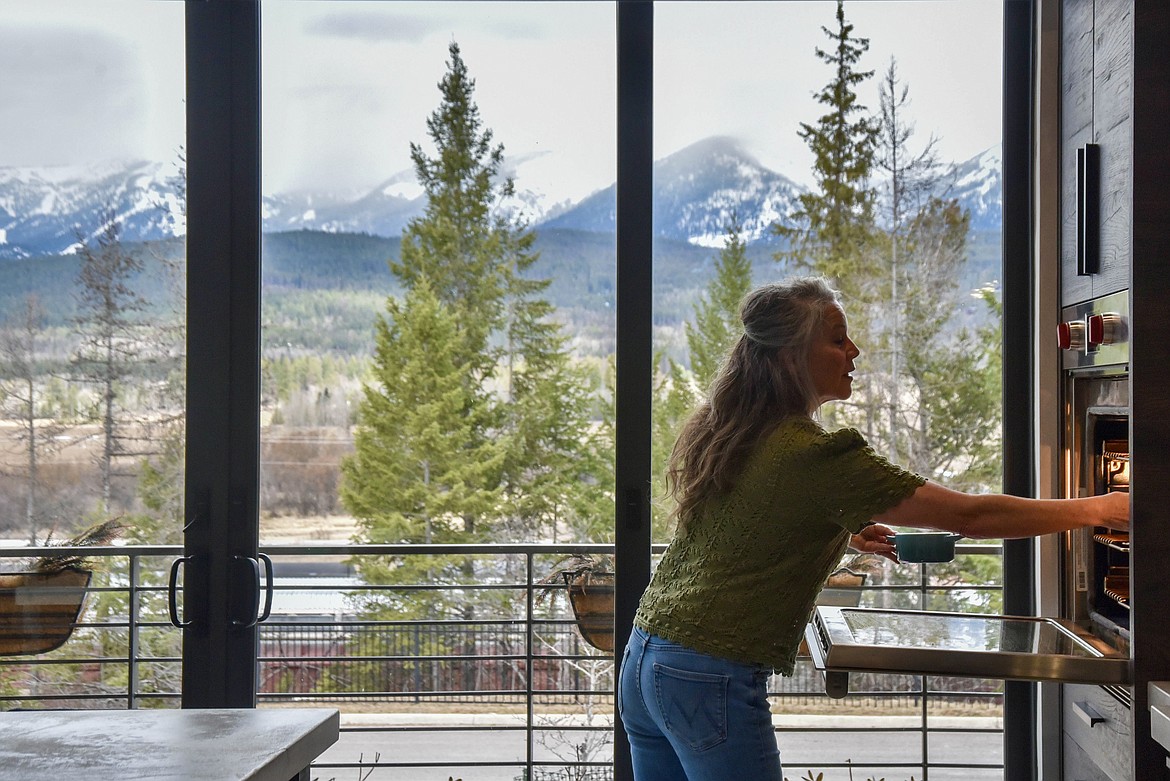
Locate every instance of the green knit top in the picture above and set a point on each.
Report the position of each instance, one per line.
(741, 579)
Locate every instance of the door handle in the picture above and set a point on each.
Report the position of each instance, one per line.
(253, 594)
(172, 593)
(1088, 210)
(267, 588)
(254, 603)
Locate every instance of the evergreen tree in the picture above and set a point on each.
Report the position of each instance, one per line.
(592, 519)
(715, 329)
(950, 423)
(422, 467)
(504, 412)
(556, 467)
(470, 254)
(675, 397)
(112, 334)
(834, 224)
(912, 179)
(942, 392)
(717, 325)
(21, 399)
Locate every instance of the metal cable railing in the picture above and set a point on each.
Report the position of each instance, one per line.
(492, 657)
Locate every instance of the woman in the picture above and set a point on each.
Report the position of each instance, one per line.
(766, 503)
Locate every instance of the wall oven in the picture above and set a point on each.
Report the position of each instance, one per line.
(1097, 721)
(1095, 566)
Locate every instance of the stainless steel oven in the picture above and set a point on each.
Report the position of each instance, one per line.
(1094, 569)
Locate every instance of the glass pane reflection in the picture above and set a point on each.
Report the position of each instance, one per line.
(961, 633)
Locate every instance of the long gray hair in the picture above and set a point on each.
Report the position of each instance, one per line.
(764, 379)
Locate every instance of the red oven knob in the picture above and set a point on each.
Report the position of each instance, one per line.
(1070, 335)
(1105, 328)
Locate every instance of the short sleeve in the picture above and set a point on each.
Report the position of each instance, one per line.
(851, 483)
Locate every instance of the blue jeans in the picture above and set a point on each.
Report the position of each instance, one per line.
(695, 717)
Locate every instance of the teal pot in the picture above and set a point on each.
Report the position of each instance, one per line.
(920, 547)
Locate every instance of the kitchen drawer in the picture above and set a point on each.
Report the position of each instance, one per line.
(1079, 766)
(1101, 727)
(1160, 714)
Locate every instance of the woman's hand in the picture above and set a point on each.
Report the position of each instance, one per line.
(874, 538)
(1114, 510)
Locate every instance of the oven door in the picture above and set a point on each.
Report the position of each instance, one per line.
(972, 645)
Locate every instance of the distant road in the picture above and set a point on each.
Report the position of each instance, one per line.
(487, 738)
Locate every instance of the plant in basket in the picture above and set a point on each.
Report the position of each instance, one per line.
(40, 605)
(589, 582)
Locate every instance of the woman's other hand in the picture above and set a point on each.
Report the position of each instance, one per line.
(874, 538)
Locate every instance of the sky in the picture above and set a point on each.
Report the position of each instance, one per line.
(348, 86)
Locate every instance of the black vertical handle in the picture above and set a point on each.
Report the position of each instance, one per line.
(1088, 210)
(253, 595)
(173, 593)
(267, 588)
(252, 598)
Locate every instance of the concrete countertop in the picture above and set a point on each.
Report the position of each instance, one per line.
(164, 745)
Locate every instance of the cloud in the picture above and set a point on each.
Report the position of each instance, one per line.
(375, 27)
(86, 90)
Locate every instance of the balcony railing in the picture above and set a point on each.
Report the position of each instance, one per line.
(486, 678)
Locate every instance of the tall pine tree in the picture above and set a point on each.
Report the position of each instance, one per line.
(111, 328)
(912, 180)
(471, 365)
(677, 391)
(422, 470)
(717, 325)
(832, 229)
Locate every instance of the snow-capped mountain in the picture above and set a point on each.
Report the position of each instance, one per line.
(45, 210)
(696, 190)
(383, 211)
(978, 185)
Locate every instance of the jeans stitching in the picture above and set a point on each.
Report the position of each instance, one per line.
(720, 680)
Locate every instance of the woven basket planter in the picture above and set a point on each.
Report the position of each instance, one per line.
(38, 610)
(591, 595)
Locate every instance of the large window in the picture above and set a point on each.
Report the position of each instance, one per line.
(369, 111)
(91, 219)
(750, 157)
(92, 306)
(441, 269)
(747, 152)
(438, 332)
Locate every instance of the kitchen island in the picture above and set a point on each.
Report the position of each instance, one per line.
(165, 745)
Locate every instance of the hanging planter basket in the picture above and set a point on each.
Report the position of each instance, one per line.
(39, 610)
(591, 595)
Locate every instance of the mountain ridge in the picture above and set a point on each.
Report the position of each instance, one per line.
(697, 190)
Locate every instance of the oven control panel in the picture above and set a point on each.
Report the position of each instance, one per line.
(1095, 333)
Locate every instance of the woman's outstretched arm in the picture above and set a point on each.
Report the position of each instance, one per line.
(983, 516)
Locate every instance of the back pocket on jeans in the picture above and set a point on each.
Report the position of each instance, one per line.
(693, 705)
